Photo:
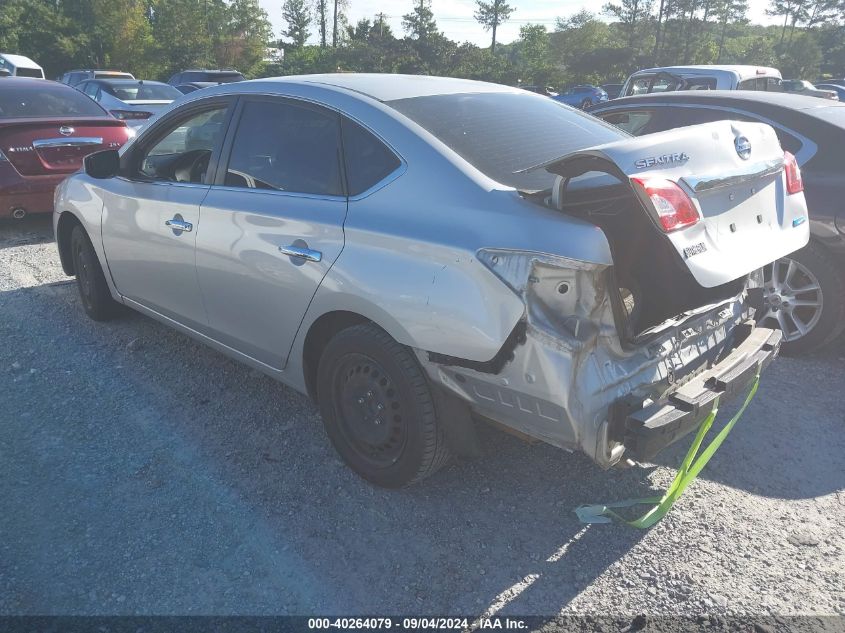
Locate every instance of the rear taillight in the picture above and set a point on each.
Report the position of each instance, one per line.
(794, 182)
(671, 204)
(130, 115)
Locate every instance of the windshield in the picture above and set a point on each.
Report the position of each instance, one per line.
(141, 92)
(47, 100)
(500, 133)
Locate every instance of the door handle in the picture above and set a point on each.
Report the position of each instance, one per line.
(179, 225)
(300, 251)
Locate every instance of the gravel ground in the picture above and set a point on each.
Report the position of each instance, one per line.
(145, 474)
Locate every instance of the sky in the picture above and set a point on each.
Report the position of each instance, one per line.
(454, 17)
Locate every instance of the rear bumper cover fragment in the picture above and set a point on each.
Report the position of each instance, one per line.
(652, 428)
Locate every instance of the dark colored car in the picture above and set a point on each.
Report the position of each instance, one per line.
(584, 96)
(612, 90)
(193, 86)
(224, 76)
(837, 82)
(46, 129)
(804, 293)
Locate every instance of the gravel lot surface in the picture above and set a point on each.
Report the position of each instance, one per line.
(142, 473)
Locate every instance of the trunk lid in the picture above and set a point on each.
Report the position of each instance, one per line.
(38, 147)
(733, 172)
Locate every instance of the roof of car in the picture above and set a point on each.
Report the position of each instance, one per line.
(123, 81)
(19, 60)
(739, 69)
(781, 99)
(34, 81)
(388, 87)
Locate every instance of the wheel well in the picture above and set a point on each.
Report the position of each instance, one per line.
(63, 231)
(320, 333)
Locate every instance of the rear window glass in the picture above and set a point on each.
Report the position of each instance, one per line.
(47, 100)
(140, 92)
(501, 133)
(29, 72)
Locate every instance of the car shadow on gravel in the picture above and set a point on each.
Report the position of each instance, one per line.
(30, 230)
(162, 477)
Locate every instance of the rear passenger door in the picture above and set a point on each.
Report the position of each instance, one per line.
(272, 224)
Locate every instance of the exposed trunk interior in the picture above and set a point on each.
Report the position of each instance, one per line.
(653, 283)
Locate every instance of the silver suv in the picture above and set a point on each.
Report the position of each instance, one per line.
(418, 254)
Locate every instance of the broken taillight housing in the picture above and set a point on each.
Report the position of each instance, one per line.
(671, 204)
(794, 182)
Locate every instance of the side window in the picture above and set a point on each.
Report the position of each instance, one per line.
(91, 89)
(640, 85)
(367, 159)
(184, 152)
(285, 147)
(632, 121)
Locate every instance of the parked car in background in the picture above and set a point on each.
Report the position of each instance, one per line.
(20, 66)
(195, 85)
(130, 100)
(704, 77)
(802, 87)
(831, 80)
(583, 96)
(805, 292)
(839, 90)
(294, 226)
(74, 77)
(612, 90)
(222, 76)
(46, 129)
(546, 91)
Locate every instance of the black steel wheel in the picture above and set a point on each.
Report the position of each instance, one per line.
(377, 408)
(93, 290)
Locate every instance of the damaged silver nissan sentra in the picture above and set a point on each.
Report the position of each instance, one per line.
(417, 253)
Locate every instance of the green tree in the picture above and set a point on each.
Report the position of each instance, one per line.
(296, 15)
(419, 23)
(491, 15)
(631, 14)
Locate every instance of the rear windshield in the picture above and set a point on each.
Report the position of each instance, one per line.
(47, 100)
(221, 78)
(139, 92)
(29, 72)
(501, 133)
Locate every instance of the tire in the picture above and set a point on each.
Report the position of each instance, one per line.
(378, 409)
(93, 290)
(822, 313)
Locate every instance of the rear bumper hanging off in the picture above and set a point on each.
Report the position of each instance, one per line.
(650, 429)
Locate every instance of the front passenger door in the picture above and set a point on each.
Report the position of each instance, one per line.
(151, 213)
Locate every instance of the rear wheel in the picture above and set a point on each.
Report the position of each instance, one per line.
(586, 103)
(805, 299)
(378, 409)
(93, 289)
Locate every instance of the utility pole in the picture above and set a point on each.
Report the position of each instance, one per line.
(380, 15)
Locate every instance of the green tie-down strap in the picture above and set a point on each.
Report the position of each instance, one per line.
(690, 467)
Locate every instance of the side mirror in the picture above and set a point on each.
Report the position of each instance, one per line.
(102, 165)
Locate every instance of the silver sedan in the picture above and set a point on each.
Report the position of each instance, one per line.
(419, 254)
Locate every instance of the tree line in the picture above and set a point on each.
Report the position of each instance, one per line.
(154, 38)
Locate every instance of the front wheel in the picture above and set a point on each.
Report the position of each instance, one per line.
(805, 298)
(93, 289)
(378, 409)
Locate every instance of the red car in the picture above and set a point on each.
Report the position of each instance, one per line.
(46, 129)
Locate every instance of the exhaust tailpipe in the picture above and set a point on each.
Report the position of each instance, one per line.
(19, 213)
